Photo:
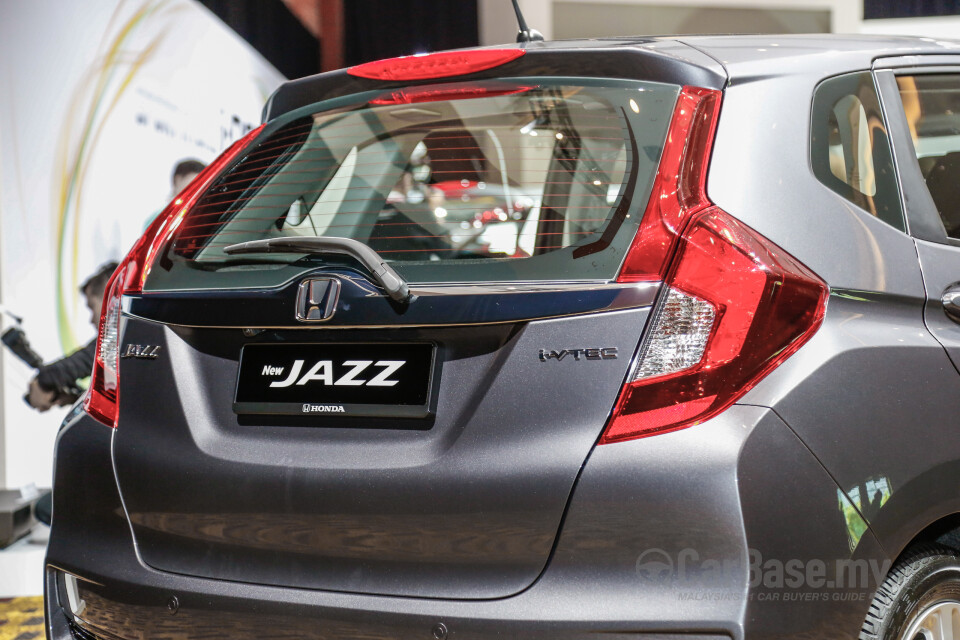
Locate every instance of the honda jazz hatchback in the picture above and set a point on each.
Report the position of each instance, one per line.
(629, 338)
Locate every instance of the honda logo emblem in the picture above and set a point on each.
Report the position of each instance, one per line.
(317, 299)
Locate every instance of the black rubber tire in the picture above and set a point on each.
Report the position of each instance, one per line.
(924, 576)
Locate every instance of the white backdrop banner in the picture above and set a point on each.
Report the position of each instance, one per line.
(99, 100)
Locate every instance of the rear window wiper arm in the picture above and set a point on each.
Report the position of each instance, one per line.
(392, 282)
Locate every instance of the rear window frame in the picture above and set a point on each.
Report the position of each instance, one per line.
(639, 197)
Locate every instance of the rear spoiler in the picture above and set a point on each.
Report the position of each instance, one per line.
(667, 61)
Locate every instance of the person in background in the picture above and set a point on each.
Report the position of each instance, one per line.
(42, 393)
(183, 174)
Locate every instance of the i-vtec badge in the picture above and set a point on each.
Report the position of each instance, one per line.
(323, 373)
(599, 353)
(145, 351)
(323, 408)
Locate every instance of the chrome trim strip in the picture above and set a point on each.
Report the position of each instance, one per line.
(519, 287)
(635, 295)
(919, 60)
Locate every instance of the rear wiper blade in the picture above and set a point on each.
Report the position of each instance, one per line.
(395, 286)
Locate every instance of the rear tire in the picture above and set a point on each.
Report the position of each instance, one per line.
(921, 592)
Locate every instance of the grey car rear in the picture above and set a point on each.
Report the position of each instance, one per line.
(622, 337)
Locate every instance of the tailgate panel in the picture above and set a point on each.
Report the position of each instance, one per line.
(463, 504)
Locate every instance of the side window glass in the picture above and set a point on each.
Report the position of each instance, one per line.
(850, 152)
(932, 105)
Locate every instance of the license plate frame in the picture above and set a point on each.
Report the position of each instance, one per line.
(312, 389)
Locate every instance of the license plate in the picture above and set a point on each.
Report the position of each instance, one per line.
(386, 380)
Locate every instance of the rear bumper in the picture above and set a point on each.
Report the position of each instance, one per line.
(697, 495)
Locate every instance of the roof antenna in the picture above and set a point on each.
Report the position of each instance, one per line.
(525, 34)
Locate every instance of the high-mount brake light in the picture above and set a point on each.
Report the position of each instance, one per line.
(442, 64)
(733, 306)
(447, 92)
(102, 399)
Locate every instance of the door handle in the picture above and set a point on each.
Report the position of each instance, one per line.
(951, 303)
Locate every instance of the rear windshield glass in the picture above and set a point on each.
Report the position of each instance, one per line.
(519, 180)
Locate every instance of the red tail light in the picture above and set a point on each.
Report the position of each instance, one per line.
(102, 399)
(442, 64)
(734, 305)
(679, 189)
